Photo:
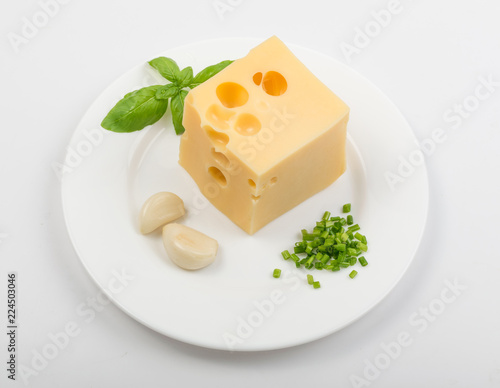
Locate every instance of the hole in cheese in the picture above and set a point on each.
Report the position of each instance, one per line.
(231, 94)
(255, 197)
(217, 175)
(274, 83)
(218, 116)
(257, 78)
(219, 139)
(252, 183)
(247, 124)
(221, 158)
(274, 180)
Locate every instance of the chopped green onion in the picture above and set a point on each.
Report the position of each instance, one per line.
(329, 241)
(308, 237)
(332, 244)
(299, 249)
(353, 228)
(353, 274)
(322, 249)
(362, 246)
(325, 259)
(286, 255)
(339, 247)
(351, 251)
(310, 260)
(358, 235)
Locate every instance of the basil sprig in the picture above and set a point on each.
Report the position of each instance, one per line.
(146, 106)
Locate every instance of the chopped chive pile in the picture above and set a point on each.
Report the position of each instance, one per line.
(333, 244)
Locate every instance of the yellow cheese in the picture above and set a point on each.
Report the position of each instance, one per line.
(262, 136)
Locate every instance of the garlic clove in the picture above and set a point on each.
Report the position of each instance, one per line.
(187, 247)
(159, 210)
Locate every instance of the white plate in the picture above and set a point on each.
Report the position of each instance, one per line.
(236, 303)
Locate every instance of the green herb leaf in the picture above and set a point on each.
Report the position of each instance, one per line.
(166, 91)
(136, 110)
(185, 77)
(177, 107)
(209, 72)
(167, 67)
(146, 106)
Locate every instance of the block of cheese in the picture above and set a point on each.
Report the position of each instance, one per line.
(263, 135)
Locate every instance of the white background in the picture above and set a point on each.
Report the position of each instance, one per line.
(427, 59)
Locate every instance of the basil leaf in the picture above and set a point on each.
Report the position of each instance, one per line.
(135, 111)
(185, 77)
(209, 72)
(177, 107)
(166, 91)
(166, 67)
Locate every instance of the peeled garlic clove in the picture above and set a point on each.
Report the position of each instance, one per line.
(160, 209)
(187, 247)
